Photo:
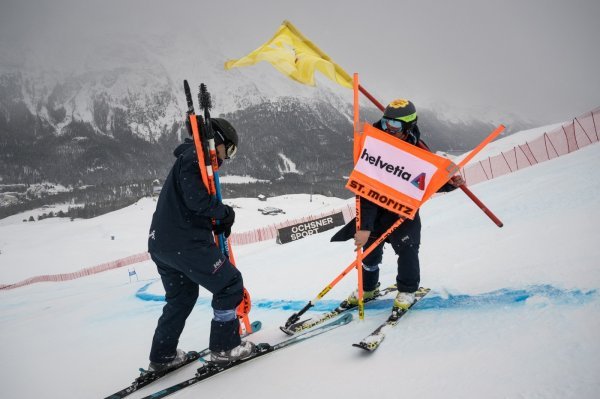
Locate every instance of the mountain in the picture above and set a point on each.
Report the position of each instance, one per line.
(113, 115)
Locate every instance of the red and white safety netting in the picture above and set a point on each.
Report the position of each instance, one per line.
(130, 260)
(580, 132)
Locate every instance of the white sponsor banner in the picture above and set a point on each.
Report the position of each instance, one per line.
(395, 168)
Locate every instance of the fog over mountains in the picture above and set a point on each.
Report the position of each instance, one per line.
(111, 115)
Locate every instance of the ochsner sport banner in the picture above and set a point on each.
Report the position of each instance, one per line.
(308, 228)
(396, 175)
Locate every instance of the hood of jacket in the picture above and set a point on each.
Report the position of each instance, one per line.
(181, 148)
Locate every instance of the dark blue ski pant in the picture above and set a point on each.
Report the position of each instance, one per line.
(182, 272)
(405, 241)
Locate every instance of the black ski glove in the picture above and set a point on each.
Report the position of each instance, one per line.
(224, 226)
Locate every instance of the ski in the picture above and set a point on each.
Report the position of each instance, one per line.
(371, 342)
(323, 317)
(211, 369)
(147, 377)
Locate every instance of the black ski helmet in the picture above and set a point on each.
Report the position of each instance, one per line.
(401, 109)
(225, 134)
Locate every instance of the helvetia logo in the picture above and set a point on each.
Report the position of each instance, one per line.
(386, 166)
(419, 181)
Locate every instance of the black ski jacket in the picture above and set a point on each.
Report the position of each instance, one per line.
(184, 210)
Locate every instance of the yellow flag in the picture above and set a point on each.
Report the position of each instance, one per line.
(295, 56)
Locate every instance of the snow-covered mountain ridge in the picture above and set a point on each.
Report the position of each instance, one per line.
(114, 113)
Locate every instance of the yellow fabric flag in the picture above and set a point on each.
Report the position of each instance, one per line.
(295, 56)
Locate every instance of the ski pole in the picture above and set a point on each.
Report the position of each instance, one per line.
(296, 316)
(212, 163)
(358, 261)
(359, 252)
(193, 124)
(206, 105)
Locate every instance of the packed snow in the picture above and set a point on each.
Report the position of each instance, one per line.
(513, 312)
(235, 179)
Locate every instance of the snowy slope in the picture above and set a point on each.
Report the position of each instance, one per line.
(514, 312)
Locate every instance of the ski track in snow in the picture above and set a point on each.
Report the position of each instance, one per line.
(539, 295)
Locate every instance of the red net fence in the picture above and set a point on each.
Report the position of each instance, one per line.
(257, 235)
(580, 132)
(130, 260)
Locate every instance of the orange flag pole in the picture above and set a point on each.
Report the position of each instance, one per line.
(462, 163)
(370, 97)
(359, 254)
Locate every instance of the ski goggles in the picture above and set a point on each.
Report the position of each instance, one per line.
(394, 125)
(230, 148)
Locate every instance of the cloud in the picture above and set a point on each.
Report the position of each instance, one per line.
(534, 59)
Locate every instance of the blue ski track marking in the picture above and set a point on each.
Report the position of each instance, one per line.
(435, 300)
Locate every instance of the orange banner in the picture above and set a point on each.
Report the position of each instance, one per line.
(396, 175)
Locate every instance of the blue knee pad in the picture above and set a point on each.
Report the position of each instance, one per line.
(373, 268)
(224, 315)
(370, 277)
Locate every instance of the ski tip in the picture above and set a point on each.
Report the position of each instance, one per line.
(286, 330)
(256, 325)
(347, 317)
(364, 347)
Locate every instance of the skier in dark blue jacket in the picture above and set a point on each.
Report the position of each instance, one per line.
(182, 245)
(400, 120)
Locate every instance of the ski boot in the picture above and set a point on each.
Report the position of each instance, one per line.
(352, 299)
(240, 352)
(180, 357)
(404, 300)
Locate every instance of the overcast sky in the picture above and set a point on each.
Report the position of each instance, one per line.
(536, 59)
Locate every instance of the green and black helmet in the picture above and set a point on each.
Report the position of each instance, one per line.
(402, 110)
(400, 116)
